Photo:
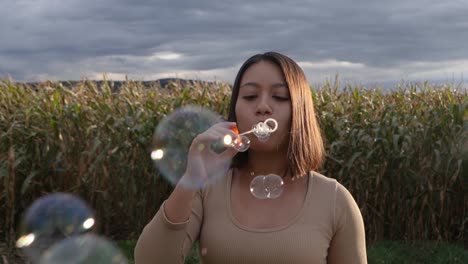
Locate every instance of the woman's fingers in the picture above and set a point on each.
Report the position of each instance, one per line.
(218, 136)
(211, 152)
(202, 141)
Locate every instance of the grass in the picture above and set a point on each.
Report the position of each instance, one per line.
(382, 252)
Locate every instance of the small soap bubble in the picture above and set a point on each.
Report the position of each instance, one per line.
(50, 219)
(267, 187)
(241, 143)
(84, 249)
(263, 130)
(172, 140)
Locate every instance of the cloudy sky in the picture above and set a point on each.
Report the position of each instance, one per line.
(361, 40)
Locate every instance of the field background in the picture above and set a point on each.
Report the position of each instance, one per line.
(402, 153)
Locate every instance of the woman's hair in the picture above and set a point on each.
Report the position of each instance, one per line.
(306, 150)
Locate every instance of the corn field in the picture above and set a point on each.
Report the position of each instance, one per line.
(403, 153)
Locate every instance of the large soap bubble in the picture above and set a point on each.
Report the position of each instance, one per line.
(84, 249)
(172, 140)
(51, 219)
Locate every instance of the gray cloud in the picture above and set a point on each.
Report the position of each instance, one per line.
(362, 40)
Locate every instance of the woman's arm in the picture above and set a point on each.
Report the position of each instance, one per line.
(348, 244)
(171, 233)
(169, 236)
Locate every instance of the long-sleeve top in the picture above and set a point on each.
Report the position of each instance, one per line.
(328, 229)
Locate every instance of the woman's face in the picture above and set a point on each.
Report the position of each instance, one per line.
(263, 94)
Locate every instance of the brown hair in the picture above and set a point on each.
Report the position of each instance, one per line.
(306, 150)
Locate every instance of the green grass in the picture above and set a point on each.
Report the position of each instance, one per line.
(382, 252)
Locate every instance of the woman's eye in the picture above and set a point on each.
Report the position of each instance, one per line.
(281, 98)
(252, 97)
(249, 97)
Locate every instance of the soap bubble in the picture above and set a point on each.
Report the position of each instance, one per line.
(267, 187)
(262, 130)
(84, 249)
(173, 137)
(241, 143)
(50, 219)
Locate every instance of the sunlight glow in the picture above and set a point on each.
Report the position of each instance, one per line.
(227, 140)
(25, 241)
(166, 56)
(88, 223)
(330, 64)
(157, 154)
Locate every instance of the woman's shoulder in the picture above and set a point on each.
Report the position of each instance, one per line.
(339, 197)
(322, 182)
(322, 179)
(329, 185)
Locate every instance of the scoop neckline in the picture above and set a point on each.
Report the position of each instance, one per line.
(271, 229)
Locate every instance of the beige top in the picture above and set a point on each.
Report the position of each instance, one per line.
(328, 229)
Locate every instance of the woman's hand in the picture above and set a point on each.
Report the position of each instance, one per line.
(206, 160)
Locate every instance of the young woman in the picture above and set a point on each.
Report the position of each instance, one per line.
(314, 220)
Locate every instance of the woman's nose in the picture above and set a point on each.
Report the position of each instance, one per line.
(263, 107)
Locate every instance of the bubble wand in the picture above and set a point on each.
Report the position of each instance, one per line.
(261, 130)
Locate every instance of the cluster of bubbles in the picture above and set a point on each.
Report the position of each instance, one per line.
(175, 133)
(56, 228)
(262, 130)
(264, 186)
(267, 186)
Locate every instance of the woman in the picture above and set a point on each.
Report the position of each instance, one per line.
(315, 220)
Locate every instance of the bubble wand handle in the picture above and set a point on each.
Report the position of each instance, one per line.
(246, 132)
(262, 128)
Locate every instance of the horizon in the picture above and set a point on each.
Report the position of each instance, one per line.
(385, 85)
